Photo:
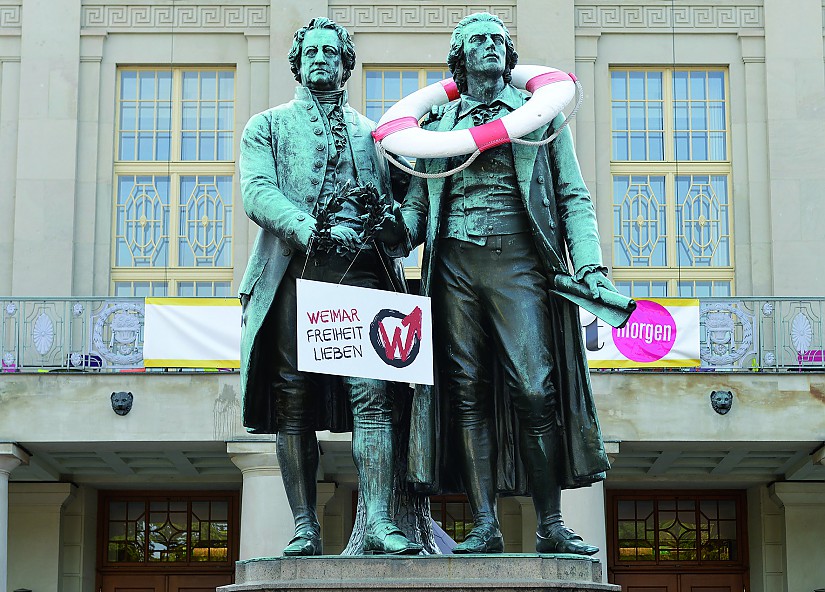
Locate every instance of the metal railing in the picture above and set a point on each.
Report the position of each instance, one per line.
(762, 334)
(71, 334)
(106, 334)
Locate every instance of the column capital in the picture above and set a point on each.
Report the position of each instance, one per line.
(41, 495)
(612, 450)
(255, 457)
(11, 456)
(798, 494)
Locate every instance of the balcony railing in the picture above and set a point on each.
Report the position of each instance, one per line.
(106, 334)
(71, 334)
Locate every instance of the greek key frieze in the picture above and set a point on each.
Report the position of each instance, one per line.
(11, 16)
(658, 17)
(396, 16)
(190, 16)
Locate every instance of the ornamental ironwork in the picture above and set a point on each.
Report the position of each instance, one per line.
(107, 334)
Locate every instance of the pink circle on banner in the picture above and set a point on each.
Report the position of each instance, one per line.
(649, 334)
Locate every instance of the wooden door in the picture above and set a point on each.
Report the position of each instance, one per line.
(696, 582)
(647, 582)
(164, 583)
(133, 583)
(198, 583)
(712, 583)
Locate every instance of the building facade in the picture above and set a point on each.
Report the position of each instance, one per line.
(701, 136)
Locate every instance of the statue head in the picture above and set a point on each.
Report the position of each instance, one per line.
(122, 402)
(721, 401)
(457, 58)
(322, 32)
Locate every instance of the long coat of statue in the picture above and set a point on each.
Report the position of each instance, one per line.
(279, 158)
(556, 200)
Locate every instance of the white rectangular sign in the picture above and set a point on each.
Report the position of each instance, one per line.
(661, 333)
(351, 331)
(192, 333)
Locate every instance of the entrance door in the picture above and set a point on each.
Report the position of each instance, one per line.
(163, 583)
(133, 583)
(712, 583)
(647, 582)
(642, 582)
(198, 583)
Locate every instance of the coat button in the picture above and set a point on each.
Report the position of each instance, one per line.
(318, 131)
(287, 251)
(315, 181)
(309, 106)
(300, 217)
(308, 199)
(317, 164)
(546, 202)
(540, 180)
(319, 147)
(314, 118)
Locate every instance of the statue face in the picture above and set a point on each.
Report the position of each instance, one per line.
(485, 49)
(321, 64)
(122, 402)
(721, 401)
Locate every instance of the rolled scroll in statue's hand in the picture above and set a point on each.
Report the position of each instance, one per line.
(611, 307)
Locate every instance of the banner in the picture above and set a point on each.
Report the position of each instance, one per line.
(661, 333)
(351, 331)
(192, 333)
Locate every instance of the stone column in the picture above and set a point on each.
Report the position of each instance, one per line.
(88, 128)
(326, 490)
(758, 233)
(44, 215)
(804, 508)
(796, 125)
(11, 456)
(545, 33)
(583, 511)
(35, 525)
(258, 55)
(9, 99)
(266, 520)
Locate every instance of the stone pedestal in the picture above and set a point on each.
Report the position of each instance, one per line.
(469, 573)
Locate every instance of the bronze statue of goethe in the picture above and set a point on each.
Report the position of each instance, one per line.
(297, 161)
(494, 236)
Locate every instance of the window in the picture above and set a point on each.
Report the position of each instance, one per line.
(174, 167)
(179, 529)
(384, 88)
(665, 529)
(671, 171)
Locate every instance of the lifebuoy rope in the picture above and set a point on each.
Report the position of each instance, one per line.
(477, 153)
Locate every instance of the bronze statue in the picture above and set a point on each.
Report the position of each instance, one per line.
(495, 235)
(312, 180)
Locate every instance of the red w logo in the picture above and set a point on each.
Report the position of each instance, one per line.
(396, 351)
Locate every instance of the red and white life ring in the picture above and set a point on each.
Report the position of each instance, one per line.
(398, 131)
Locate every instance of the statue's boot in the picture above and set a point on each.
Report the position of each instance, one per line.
(477, 459)
(298, 457)
(552, 536)
(373, 453)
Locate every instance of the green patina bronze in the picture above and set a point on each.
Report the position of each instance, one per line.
(315, 157)
(495, 236)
